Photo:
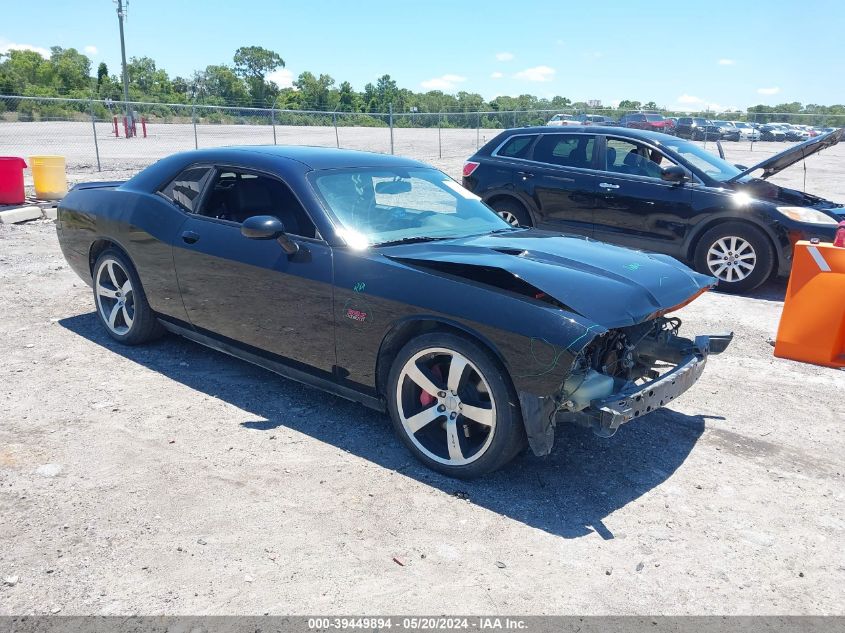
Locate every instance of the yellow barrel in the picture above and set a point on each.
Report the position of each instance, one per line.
(48, 176)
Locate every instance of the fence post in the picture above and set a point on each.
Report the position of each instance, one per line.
(754, 129)
(336, 137)
(439, 140)
(477, 129)
(390, 121)
(514, 118)
(94, 128)
(273, 120)
(194, 120)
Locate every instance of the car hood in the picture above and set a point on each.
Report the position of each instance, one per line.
(610, 285)
(792, 155)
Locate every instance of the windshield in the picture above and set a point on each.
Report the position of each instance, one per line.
(741, 124)
(653, 117)
(378, 205)
(704, 161)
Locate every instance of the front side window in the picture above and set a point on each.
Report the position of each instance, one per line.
(379, 205)
(634, 159)
(236, 195)
(715, 167)
(185, 189)
(566, 150)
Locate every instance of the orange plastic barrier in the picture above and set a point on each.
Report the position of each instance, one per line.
(812, 326)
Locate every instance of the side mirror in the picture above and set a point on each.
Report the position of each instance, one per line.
(268, 227)
(674, 173)
(742, 167)
(262, 227)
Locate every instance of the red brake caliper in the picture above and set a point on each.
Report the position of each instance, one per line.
(427, 398)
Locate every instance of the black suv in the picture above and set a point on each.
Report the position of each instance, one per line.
(654, 192)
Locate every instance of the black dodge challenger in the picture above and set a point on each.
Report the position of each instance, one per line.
(384, 281)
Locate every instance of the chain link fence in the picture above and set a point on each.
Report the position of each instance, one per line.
(96, 135)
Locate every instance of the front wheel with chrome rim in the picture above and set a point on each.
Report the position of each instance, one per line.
(512, 212)
(120, 300)
(452, 404)
(738, 254)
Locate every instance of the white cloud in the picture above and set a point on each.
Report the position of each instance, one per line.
(537, 73)
(6, 46)
(496, 75)
(90, 49)
(445, 82)
(726, 62)
(282, 77)
(768, 91)
(504, 57)
(691, 103)
(689, 99)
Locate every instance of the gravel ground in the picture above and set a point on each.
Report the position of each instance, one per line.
(171, 479)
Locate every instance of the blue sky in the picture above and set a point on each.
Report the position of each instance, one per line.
(729, 54)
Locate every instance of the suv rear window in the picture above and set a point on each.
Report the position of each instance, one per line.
(516, 147)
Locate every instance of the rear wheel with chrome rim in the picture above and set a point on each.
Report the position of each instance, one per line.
(121, 303)
(452, 405)
(739, 255)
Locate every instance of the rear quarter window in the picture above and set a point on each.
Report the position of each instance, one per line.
(516, 147)
(185, 189)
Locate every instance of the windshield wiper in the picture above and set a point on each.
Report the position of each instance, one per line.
(412, 240)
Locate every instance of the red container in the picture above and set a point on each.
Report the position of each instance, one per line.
(11, 180)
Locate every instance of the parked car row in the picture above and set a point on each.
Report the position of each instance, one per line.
(697, 128)
(655, 192)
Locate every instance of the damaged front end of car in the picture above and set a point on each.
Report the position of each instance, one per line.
(628, 372)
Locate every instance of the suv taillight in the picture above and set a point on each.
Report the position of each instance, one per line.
(469, 167)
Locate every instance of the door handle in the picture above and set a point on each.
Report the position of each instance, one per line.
(525, 174)
(189, 237)
(607, 185)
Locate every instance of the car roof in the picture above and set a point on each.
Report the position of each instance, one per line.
(310, 157)
(593, 129)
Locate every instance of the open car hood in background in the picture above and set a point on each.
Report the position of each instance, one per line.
(610, 285)
(792, 155)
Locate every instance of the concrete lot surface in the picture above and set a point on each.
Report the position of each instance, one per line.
(170, 479)
(446, 149)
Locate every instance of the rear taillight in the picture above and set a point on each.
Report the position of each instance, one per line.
(469, 167)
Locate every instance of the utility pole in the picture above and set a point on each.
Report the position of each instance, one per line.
(121, 15)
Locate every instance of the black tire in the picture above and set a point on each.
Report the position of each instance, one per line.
(763, 261)
(143, 326)
(512, 209)
(498, 443)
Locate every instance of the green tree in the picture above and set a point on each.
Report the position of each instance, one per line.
(347, 99)
(315, 93)
(102, 74)
(254, 63)
(146, 81)
(218, 85)
(71, 70)
(626, 104)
